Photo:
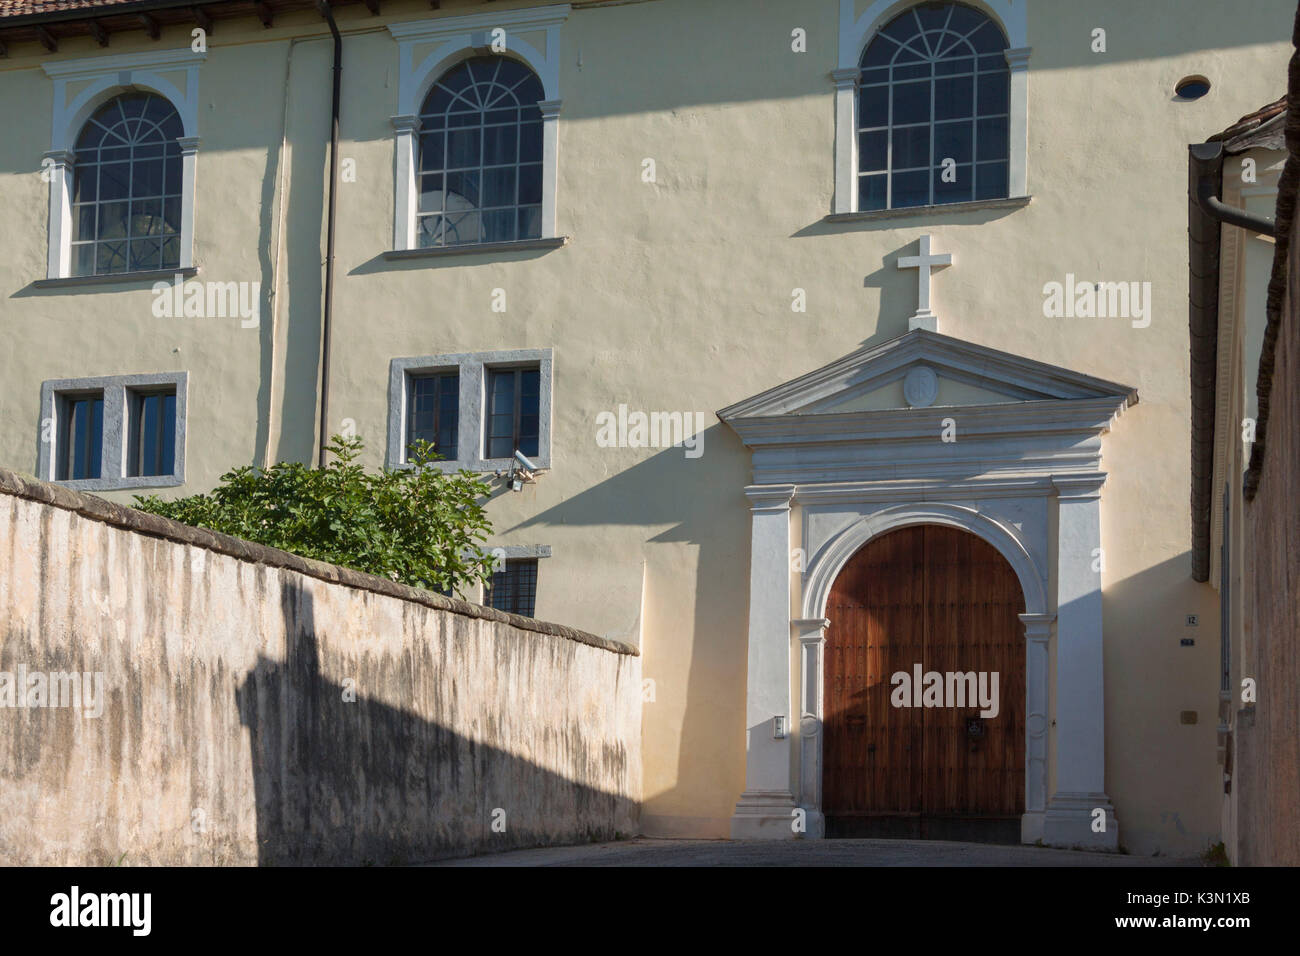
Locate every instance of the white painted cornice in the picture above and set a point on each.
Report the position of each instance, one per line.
(1020, 379)
(533, 18)
(94, 66)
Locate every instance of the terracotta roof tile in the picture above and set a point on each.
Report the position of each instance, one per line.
(22, 8)
(1244, 125)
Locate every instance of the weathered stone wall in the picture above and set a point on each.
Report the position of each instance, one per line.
(1268, 745)
(261, 708)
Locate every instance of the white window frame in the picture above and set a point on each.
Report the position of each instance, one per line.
(472, 368)
(81, 87)
(857, 31)
(426, 50)
(113, 465)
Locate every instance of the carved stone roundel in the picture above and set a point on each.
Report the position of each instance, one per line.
(921, 387)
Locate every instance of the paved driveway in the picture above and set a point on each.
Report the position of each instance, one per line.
(648, 852)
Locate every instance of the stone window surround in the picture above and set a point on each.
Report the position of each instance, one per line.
(472, 368)
(105, 77)
(856, 32)
(112, 469)
(453, 39)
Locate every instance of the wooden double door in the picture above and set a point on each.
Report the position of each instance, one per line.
(948, 601)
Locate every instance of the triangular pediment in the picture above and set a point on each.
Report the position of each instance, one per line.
(920, 370)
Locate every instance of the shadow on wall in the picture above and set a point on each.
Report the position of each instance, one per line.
(699, 507)
(1161, 772)
(343, 778)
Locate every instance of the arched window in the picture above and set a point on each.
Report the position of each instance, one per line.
(933, 108)
(480, 170)
(126, 213)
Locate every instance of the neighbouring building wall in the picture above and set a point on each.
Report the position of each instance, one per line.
(249, 706)
(1268, 745)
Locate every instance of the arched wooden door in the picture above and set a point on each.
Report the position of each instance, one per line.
(946, 600)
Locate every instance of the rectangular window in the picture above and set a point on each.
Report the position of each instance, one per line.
(151, 432)
(432, 409)
(513, 589)
(80, 436)
(513, 411)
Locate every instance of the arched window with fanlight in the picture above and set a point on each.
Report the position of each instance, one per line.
(933, 110)
(480, 155)
(127, 188)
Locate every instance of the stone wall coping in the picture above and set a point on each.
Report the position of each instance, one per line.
(140, 522)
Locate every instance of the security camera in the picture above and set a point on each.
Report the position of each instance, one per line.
(523, 461)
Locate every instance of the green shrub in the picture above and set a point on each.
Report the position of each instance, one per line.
(418, 526)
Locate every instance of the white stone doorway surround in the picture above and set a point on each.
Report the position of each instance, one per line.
(858, 448)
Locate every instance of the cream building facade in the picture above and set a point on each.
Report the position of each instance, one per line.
(706, 238)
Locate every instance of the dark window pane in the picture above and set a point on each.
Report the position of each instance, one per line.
(431, 151)
(954, 98)
(433, 408)
(530, 143)
(964, 19)
(499, 187)
(463, 147)
(499, 225)
(147, 177)
(872, 77)
(873, 149)
(171, 253)
(83, 221)
(872, 192)
(167, 451)
(991, 138)
(878, 53)
(960, 190)
(530, 222)
(911, 189)
(530, 184)
(501, 145)
(80, 437)
(83, 259)
(151, 433)
(994, 93)
(988, 38)
(146, 217)
(873, 106)
(114, 220)
(911, 103)
(991, 181)
(953, 141)
(911, 147)
(956, 64)
(499, 117)
(912, 71)
(86, 179)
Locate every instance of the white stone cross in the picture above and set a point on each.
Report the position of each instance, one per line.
(923, 318)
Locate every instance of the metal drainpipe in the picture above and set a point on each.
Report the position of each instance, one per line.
(327, 313)
(1207, 193)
